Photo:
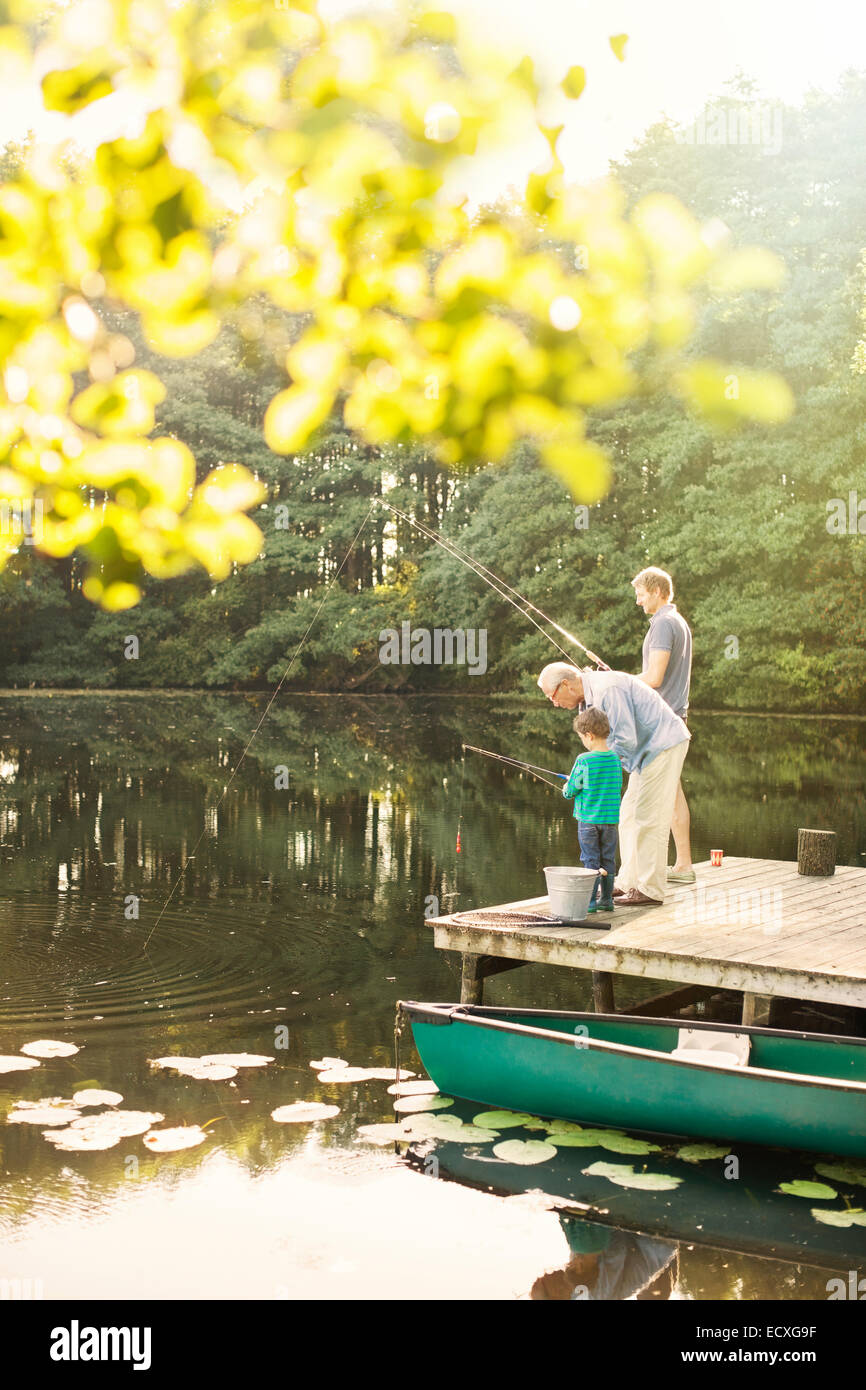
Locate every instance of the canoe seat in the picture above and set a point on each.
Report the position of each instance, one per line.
(719, 1049)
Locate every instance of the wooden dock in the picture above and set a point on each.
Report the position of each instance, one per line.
(756, 926)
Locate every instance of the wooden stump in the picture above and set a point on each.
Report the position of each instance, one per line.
(816, 852)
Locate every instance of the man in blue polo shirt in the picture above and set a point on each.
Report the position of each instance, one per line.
(652, 743)
(667, 667)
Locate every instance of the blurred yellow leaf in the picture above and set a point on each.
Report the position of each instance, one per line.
(483, 263)
(70, 89)
(229, 489)
(574, 82)
(438, 24)
(724, 394)
(582, 466)
(293, 415)
(672, 237)
(747, 268)
(123, 406)
(618, 43)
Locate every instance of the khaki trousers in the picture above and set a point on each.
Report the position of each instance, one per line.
(645, 823)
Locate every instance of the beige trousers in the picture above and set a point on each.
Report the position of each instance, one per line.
(645, 823)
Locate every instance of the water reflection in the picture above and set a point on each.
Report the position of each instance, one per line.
(607, 1265)
(301, 908)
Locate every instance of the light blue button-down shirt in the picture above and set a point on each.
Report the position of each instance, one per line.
(642, 724)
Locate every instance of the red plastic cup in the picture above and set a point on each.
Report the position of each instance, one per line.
(716, 856)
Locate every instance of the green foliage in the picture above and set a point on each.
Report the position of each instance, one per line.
(417, 325)
(740, 519)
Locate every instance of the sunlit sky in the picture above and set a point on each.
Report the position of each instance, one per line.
(680, 54)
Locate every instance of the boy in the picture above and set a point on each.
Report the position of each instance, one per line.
(595, 782)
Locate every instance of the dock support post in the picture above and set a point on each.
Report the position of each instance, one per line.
(602, 992)
(471, 979)
(757, 1010)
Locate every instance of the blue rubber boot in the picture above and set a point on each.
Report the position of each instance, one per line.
(605, 897)
(594, 902)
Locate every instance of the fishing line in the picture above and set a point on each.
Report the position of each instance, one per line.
(504, 589)
(531, 768)
(283, 679)
(500, 586)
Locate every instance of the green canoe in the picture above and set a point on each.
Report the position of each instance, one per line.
(797, 1090)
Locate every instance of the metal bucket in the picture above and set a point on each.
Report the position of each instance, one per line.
(569, 891)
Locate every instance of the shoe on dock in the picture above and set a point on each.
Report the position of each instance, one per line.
(681, 876)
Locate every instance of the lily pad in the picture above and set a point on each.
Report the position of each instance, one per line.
(78, 1141)
(565, 1139)
(48, 1047)
(608, 1139)
(843, 1172)
(328, 1064)
(163, 1141)
(696, 1153)
(524, 1151)
(303, 1112)
(501, 1119)
(94, 1097)
(17, 1063)
(237, 1059)
(197, 1068)
(177, 1063)
(854, 1217)
(816, 1190)
(344, 1075)
(447, 1128)
(405, 1105)
(413, 1088)
(569, 1127)
(52, 1111)
(622, 1143)
(468, 1134)
(441, 1121)
(103, 1131)
(624, 1175)
(383, 1134)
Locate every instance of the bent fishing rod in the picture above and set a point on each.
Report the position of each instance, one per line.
(500, 586)
(516, 762)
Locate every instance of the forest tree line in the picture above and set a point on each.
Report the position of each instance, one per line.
(762, 529)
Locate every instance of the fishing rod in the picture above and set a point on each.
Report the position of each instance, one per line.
(505, 591)
(516, 762)
(501, 587)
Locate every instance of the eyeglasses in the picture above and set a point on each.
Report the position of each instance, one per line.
(552, 695)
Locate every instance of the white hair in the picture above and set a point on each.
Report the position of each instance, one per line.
(557, 672)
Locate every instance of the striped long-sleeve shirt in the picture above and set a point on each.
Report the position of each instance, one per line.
(595, 782)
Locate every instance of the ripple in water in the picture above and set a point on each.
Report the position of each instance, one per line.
(75, 962)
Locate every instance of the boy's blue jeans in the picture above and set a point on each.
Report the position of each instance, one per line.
(598, 851)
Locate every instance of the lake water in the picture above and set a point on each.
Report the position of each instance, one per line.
(296, 920)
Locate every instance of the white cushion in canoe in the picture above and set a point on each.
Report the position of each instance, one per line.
(719, 1049)
(713, 1059)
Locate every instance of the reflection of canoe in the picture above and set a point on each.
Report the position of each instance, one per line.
(751, 1216)
(755, 1085)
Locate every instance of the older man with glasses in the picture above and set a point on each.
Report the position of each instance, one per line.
(652, 743)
